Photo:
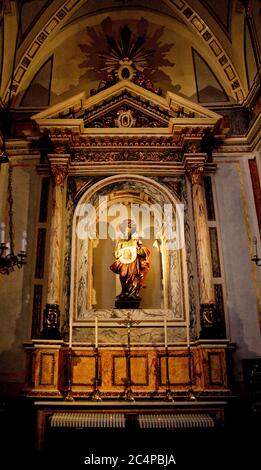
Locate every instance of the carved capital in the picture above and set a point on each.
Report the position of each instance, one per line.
(195, 174)
(59, 168)
(59, 173)
(194, 168)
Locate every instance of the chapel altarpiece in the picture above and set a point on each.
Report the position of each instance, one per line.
(128, 145)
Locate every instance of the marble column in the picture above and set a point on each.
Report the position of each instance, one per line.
(194, 167)
(51, 323)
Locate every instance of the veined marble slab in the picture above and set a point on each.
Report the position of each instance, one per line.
(135, 314)
(139, 335)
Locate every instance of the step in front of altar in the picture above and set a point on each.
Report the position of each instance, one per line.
(59, 418)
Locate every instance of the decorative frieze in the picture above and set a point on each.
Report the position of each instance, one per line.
(126, 155)
(65, 139)
(187, 140)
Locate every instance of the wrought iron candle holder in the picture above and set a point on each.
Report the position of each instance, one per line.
(190, 394)
(96, 395)
(168, 394)
(128, 392)
(8, 259)
(128, 395)
(69, 395)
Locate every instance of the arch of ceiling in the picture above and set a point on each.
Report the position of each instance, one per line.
(45, 36)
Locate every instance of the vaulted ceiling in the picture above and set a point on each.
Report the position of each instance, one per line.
(200, 50)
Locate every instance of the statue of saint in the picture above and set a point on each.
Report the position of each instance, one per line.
(132, 262)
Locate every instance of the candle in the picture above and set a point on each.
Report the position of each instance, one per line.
(70, 332)
(2, 232)
(187, 327)
(24, 242)
(165, 332)
(96, 332)
(8, 251)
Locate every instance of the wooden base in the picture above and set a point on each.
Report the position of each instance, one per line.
(47, 371)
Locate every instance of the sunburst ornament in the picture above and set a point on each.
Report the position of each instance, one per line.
(121, 54)
(127, 50)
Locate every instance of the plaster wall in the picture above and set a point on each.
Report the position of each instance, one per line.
(238, 224)
(16, 288)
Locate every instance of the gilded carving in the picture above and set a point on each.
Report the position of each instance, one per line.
(126, 155)
(195, 174)
(192, 147)
(125, 118)
(60, 148)
(59, 173)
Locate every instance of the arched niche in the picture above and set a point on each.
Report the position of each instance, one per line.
(105, 285)
(91, 258)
